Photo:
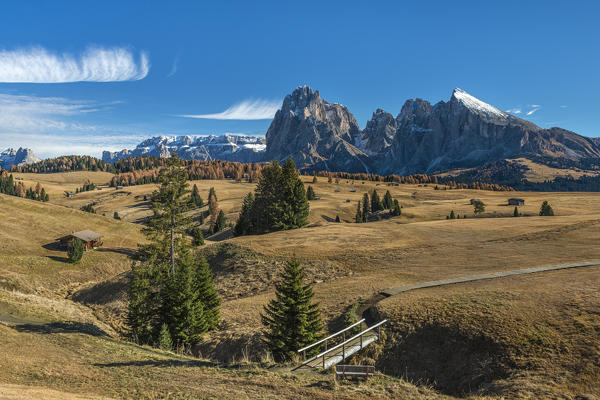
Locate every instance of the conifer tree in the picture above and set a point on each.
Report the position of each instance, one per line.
(195, 198)
(366, 207)
(315, 180)
(244, 224)
(546, 210)
(478, 207)
(294, 204)
(388, 202)
(220, 223)
(213, 193)
(310, 193)
(75, 251)
(452, 215)
(358, 217)
(375, 202)
(516, 212)
(116, 216)
(396, 211)
(197, 237)
(337, 218)
(207, 294)
(164, 338)
(144, 302)
(292, 320)
(166, 228)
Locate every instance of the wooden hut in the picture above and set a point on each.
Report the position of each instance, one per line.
(516, 202)
(89, 238)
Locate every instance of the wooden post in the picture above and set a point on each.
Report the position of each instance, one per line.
(323, 361)
(343, 351)
(304, 354)
(361, 341)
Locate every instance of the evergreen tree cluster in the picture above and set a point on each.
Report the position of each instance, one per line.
(86, 187)
(89, 208)
(292, 320)
(10, 187)
(279, 201)
(373, 204)
(173, 300)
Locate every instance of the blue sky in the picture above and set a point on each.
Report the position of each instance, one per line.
(81, 77)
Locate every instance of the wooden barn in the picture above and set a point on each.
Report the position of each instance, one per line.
(516, 202)
(89, 238)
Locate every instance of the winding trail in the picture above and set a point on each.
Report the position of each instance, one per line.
(401, 289)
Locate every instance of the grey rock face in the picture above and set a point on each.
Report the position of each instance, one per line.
(22, 156)
(316, 134)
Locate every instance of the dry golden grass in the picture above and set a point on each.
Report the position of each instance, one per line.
(360, 259)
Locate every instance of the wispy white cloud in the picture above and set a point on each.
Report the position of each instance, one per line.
(515, 110)
(534, 108)
(38, 65)
(564, 106)
(174, 67)
(246, 110)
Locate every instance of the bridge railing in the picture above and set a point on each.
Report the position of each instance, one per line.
(343, 345)
(325, 340)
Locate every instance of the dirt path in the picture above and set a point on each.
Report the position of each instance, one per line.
(401, 289)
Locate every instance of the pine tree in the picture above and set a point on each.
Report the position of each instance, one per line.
(292, 320)
(294, 202)
(452, 215)
(546, 210)
(366, 208)
(388, 202)
(358, 217)
(244, 224)
(144, 302)
(164, 338)
(337, 218)
(197, 237)
(315, 180)
(195, 198)
(75, 251)
(116, 216)
(516, 212)
(310, 193)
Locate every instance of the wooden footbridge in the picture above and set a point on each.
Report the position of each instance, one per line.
(333, 355)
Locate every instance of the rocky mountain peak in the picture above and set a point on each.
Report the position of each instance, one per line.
(21, 156)
(461, 98)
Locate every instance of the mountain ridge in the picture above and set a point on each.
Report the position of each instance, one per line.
(423, 138)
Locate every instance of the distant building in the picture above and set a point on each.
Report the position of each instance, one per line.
(89, 238)
(516, 202)
(70, 194)
(119, 187)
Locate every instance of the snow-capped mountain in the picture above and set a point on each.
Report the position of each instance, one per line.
(223, 147)
(10, 157)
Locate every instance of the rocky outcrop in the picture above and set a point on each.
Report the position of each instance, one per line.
(22, 156)
(316, 134)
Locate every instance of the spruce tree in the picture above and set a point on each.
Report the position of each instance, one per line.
(294, 205)
(181, 308)
(452, 215)
(546, 210)
(516, 212)
(388, 202)
(358, 217)
(197, 237)
(337, 218)
(310, 193)
(366, 207)
(244, 224)
(116, 216)
(164, 338)
(207, 293)
(396, 211)
(144, 302)
(75, 251)
(220, 222)
(375, 202)
(292, 320)
(195, 198)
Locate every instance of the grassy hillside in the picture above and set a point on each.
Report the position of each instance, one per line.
(348, 263)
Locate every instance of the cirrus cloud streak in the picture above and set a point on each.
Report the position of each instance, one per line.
(38, 65)
(245, 110)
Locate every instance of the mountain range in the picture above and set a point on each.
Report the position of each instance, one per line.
(10, 157)
(422, 138)
(462, 132)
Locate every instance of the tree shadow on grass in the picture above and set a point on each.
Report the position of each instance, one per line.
(55, 246)
(157, 363)
(61, 327)
(60, 259)
(118, 250)
(328, 219)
